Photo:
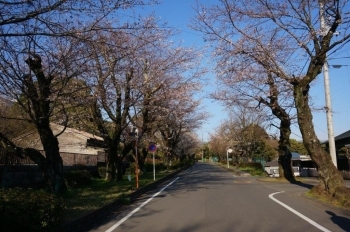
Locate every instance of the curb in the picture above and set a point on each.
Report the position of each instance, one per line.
(88, 220)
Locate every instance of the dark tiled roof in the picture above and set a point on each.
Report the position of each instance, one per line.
(273, 163)
(343, 136)
(339, 137)
(295, 156)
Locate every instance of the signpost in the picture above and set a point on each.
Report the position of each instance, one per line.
(229, 150)
(152, 148)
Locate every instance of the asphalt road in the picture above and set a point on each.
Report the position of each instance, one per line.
(206, 197)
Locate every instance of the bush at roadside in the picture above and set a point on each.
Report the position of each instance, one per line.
(77, 178)
(255, 169)
(29, 210)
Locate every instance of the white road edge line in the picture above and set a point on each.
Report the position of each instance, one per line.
(138, 208)
(297, 213)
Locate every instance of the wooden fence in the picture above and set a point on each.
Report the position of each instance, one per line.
(9, 158)
(69, 159)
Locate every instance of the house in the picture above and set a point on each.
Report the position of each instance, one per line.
(272, 168)
(341, 141)
(76, 147)
(304, 166)
(78, 150)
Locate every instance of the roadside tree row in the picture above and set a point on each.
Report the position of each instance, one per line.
(73, 63)
(270, 53)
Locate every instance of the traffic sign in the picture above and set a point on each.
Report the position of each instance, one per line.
(152, 147)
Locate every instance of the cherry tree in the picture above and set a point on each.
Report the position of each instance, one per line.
(222, 138)
(40, 54)
(36, 82)
(59, 17)
(131, 73)
(183, 117)
(248, 82)
(286, 39)
(172, 112)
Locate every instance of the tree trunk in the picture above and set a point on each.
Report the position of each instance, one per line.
(285, 165)
(285, 157)
(111, 166)
(54, 169)
(38, 93)
(330, 177)
(142, 158)
(120, 171)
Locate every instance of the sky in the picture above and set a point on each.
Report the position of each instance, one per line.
(177, 13)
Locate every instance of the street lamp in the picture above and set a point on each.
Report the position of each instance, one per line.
(229, 150)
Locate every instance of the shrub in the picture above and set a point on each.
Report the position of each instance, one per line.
(29, 210)
(131, 169)
(124, 199)
(149, 167)
(182, 164)
(255, 169)
(250, 165)
(102, 172)
(78, 178)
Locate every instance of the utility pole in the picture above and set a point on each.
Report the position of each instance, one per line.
(331, 142)
(202, 149)
(136, 134)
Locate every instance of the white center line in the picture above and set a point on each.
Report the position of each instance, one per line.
(297, 213)
(138, 208)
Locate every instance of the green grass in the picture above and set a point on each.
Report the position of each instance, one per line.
(83, 200)
(253, 171)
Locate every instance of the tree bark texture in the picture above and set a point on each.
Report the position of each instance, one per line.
(285, 158)
(111, 165)
(330, 177)
(38, 94)
(54, 161)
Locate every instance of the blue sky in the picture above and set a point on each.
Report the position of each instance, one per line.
(178, 13)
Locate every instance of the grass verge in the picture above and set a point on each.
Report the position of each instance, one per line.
(84, 200)
(253, 171)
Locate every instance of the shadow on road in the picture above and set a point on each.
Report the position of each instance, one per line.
(342, 222)
(191, 179)
(301, 184)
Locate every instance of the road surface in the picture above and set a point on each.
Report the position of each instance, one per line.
(206, 197)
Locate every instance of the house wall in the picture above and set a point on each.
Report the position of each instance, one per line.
(8, 158)
(70, 159)
(16, 172)
(341, 143)
(272, 171)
